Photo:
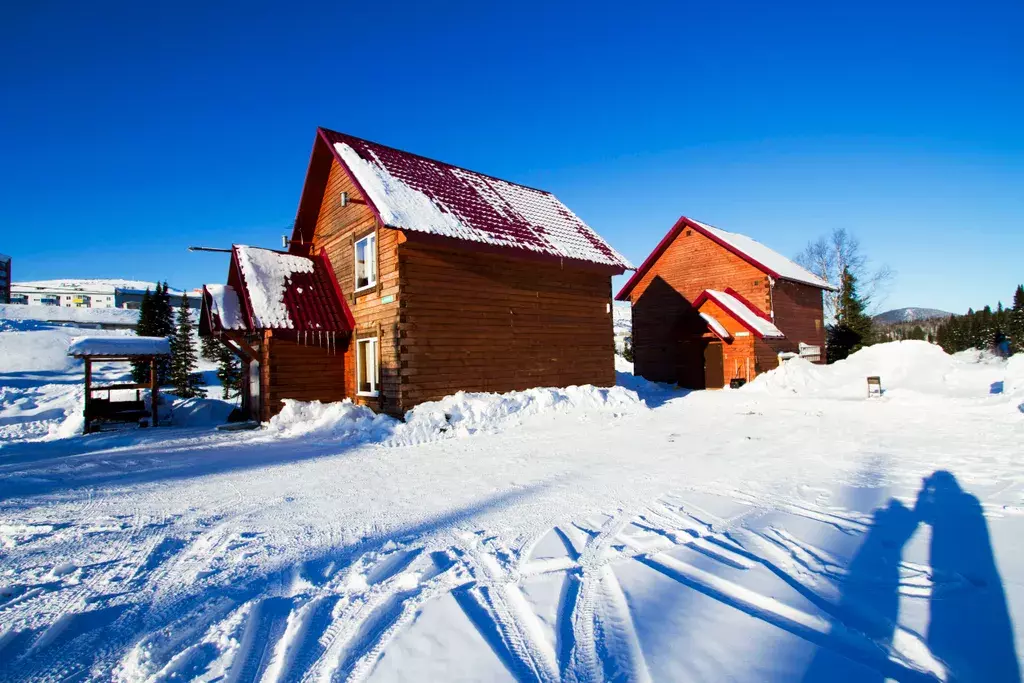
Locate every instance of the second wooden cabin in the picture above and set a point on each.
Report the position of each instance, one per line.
(710, 306)
(408, 279)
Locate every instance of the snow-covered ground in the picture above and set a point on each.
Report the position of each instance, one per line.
(791, 530)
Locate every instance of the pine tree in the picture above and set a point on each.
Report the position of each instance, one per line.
(627, 348)
(1015, 322)
(853, 328)
(229, 372)
(163, 326)
(143, 328)
(210, 348)
(186, 381)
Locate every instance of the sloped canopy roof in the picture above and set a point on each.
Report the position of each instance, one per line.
(82, 347)
(750, 250)
(741, 310)
(418, 194)
(272, 290)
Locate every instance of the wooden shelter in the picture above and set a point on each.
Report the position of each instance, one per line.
(125, 350)
(711, 306)
(407, 279)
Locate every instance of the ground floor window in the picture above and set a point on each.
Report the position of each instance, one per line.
(367, 372)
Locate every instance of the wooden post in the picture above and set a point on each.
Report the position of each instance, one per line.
(88, 393)
(154, 390)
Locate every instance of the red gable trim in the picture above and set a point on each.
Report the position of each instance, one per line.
(708, 296)
(670, 237)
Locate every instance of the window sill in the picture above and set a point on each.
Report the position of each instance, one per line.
(365, 288)
(368, 394)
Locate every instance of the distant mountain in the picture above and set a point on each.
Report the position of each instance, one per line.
(909, 315)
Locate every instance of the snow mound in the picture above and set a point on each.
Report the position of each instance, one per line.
(200, 412)
(1013, 381)
(905, 367)
(341, 420)
(463, 414)
(458, 415)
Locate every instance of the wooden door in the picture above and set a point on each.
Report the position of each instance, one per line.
(714, 368)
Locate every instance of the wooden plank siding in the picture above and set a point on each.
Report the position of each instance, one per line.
(485, 322)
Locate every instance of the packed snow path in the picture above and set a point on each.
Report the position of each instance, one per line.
(735, 535)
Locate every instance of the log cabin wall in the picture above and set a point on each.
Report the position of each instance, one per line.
(376, 309)
(667, 344)
(305, 372)
(478, 321)
(799, 313)
(311, 368)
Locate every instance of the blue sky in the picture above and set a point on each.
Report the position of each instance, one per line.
(132, 130)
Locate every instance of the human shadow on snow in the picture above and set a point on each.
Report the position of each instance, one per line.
(969, 628)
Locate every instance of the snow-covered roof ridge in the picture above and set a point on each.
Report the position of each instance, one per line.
(267, 274)
(415, 193)
(749, 317)
(119, 346)
(777, 264)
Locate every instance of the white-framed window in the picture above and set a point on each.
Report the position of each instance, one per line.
(366, 262)
(367, 370)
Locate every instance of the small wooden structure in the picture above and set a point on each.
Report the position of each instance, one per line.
(710, 306)
(126, 350)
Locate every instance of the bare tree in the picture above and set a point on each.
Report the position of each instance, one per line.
(829, 256)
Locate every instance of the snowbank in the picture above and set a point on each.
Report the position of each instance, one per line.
(45, 349)
(92, 316)
(1013, 381)
(463, 414)
(905, 367)
(458, 415)
(200, 412)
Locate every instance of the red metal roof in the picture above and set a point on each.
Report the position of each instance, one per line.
(459, 203)
(311, 300)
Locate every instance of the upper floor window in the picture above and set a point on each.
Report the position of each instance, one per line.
(366, 262)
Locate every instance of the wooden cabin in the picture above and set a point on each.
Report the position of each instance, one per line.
(407, 279)
(710, 306)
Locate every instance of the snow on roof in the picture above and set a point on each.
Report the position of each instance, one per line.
(419, 194)
(743, 312)
(777, 264)
(267, 274)
(718, 327)
(119, 346)
(224, 304)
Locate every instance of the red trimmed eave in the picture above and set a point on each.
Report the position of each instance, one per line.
(670, 237)
(313, 188)
(705, 295)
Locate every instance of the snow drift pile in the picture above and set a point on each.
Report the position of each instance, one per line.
(906, 368)
(458, 415)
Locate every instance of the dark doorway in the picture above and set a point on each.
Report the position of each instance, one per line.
(714, 367)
